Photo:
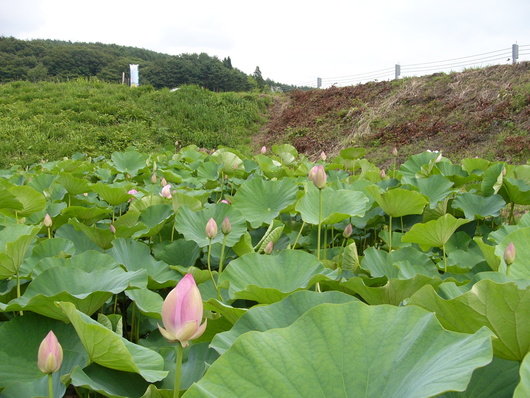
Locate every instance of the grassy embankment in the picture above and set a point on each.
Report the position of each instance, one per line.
(47, 121)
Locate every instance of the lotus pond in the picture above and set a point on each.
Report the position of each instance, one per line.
(360, 284)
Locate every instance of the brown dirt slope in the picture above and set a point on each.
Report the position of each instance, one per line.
(478, 112)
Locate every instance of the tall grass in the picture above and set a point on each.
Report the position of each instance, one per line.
(46, 121)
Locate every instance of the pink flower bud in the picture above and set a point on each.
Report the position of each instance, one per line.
(394, 151)
(166, 191)
(112, 229)
(132, 192)
(318, 175)
(269, 248)
(263, 149)
(50, 356)
(163, 182)
(211, 228)
(323, 155)
(182, 313)
(48, 221)
(226, 227)
(225, 201)
(382, 174)
(509, 254)
(153, 178)
(347, 231)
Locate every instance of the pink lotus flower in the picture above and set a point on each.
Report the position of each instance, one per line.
(509, 254)
(132, 192)
(318, 175)
(263, 149)
(166, 191)
(48, 221)
(50, 356)
(211, 228)
(182, 313)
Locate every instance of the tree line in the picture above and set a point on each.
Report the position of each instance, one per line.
(41, 60)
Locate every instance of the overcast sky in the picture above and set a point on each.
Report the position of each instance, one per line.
(292, 42)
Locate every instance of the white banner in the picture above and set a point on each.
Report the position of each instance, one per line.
(134, 75)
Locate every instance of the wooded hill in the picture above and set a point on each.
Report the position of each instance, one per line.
(41, 60)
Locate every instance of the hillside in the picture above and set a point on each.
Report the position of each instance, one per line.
(478, 112)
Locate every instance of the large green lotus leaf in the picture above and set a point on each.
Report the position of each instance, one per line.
(231, 314)
(260, 201)
(434, 233)
(475, 165)
(435, 187)
(129, 162)
(267, 279)
(492, 179)
(179, 252)
(515, 191)
(101, 237)
(14, 243)
(349, 350)
(154, 218)
(229, 161)
(112, 195)
(80, 240)
(523, 388)
(32, 201)
(87, 290)
(414, 164)
(398, 202)
(503, 308)
(89, 215)
(135, 256)
(87, 261)
(109, 382)
(19, 343)
(477, 206)
(148, 302)
(337, 205)
(193, 225)
(107, 349)
(277, 315)
(393, 292)
(73, 185)
(382, 263)
(488, 252)
(498, 379)
(180, 199)
(520, 268)
(9, 202)
(48, 249)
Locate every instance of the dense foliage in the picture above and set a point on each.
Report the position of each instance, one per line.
(332, 281)
(47, 121)
(37, 60)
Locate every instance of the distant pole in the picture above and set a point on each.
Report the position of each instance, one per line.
(319, 82)
(398, 71)
(515, 53)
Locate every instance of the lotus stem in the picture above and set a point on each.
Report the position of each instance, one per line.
(390, 235)
(210, 265)
(178, 369)
(319, 222)
(299, 233)
(221, 261)
(50, 385)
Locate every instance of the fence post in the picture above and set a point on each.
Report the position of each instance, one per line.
(319, 82)
(398, 70)
(515, 53)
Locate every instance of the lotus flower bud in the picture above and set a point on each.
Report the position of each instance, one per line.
(166, 191)
(318, 175)
(347, 231)
(163, 182)
(382, 174)
(509, 254)
(226, 227)
(269, 248)
(50, 356)
(48, 221)
(153, 178)
(112, 229)
(211, 228)
(182, 313)
(323, 155)
(439, 158)
(225, 201)
(132, 192)
(263, 149)
(394, 151)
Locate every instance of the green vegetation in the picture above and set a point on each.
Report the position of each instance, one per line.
(54, 60)
(47, 121)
